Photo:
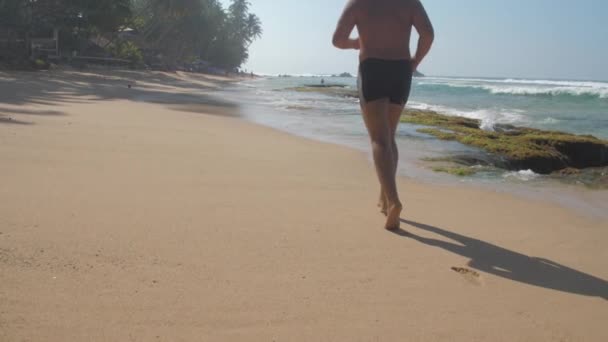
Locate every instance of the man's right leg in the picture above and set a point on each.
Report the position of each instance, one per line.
(394, 117)
(376, 117)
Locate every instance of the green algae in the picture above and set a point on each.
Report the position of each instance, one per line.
(455, 170)
(522, 148)
(328, 90)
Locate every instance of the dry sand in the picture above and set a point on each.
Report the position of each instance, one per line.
(134, 215)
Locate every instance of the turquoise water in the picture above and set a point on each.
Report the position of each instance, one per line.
(573, 106)
(579, 107)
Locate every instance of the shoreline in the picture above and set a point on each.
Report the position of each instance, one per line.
(157, 213)
(570, 196)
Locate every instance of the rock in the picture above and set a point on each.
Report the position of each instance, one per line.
(520, 148)
(340, 90)
(456, 170)
(569, 172)
(344, 74)
(324, 85)
(418, 74)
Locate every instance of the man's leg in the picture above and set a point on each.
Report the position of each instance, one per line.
(376, 117)
(394, 117)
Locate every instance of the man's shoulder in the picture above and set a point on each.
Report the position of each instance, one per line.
(353, 3)
(366, 4)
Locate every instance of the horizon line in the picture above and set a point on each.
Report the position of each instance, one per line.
(354, 74)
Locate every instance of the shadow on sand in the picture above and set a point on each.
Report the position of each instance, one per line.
(11, 121)
(179, 92)
(492, 259)
(6, 115)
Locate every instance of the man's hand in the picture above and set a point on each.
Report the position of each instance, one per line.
(346, 24)
(415, 62)
(423, 25)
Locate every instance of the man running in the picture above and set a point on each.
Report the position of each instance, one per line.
(385, 77)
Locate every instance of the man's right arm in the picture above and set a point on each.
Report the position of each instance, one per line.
(423, 25)
(345, 27)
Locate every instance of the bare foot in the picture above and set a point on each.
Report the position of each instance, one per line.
(393, 218)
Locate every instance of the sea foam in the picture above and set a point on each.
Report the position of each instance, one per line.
(523, 87)
(488, 117)
(524, 175)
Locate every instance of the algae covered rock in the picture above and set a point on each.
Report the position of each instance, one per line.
(460, 171)
(344, 75)
(327, 89)
(418, 74)
(518, 148)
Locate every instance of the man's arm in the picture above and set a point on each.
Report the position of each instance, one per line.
(423, 25)
(346, 24)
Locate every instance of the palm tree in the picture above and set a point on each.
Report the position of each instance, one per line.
(182, 30)
(254, 28)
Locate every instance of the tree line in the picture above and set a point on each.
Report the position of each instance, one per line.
(172, 32)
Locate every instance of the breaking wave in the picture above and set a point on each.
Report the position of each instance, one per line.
(523, 87)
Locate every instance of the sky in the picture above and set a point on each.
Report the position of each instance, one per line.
(549, 39)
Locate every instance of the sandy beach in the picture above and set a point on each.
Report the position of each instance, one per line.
(155, 213)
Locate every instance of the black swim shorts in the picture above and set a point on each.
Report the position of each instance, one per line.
(380, 78)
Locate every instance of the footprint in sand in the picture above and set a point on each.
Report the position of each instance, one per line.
(469, 275)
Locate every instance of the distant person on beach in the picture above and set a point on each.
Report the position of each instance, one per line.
(385, 76)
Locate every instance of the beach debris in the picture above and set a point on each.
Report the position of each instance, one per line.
(468, 274)
(592, 178)
(569, 171)
(463, 270)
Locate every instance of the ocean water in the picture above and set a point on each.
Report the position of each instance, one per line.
(572, 106)
(579, 107)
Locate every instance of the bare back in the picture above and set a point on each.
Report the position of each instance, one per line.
(385, 27)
